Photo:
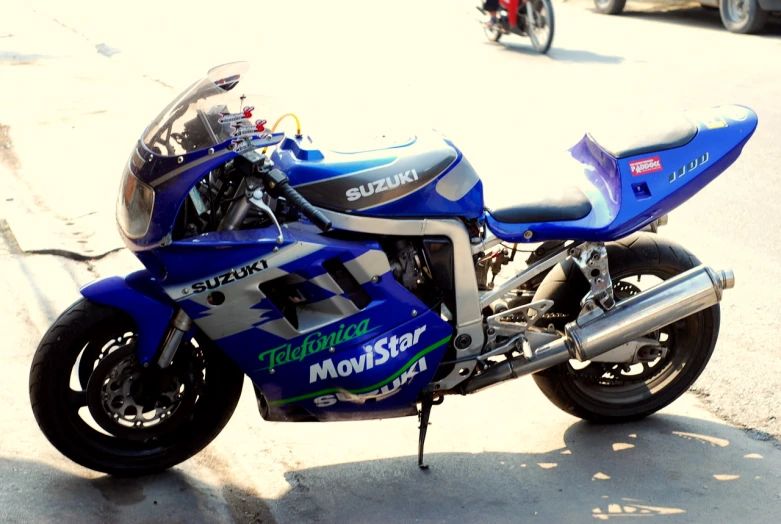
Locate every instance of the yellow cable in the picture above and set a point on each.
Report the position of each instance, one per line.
(274, 127)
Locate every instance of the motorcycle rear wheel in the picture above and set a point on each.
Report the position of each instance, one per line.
(86, 403)
(618, 395)
(494, 33)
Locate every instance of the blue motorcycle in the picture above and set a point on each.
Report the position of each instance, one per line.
(351, 285)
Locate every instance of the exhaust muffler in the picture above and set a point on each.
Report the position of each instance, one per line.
(598, 332)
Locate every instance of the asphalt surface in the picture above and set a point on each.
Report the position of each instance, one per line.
(86, 78)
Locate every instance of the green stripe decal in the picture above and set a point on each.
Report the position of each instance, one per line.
(370, 388)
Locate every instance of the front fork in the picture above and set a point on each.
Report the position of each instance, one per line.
(529, 14)
(180, 325)
(156, 316)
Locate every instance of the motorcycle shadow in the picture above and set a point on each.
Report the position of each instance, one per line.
(559, 54)
(662, 466)
(33, 491)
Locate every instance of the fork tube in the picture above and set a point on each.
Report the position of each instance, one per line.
(237, 211)
(179, 326)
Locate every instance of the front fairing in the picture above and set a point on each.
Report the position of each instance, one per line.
(204, 127)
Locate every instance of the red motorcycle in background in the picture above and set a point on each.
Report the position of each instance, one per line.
(532, 18)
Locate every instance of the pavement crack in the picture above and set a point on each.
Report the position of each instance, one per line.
(157, 80)
(70, 255)
(69, 28)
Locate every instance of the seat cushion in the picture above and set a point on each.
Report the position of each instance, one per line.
(556, 205)
(637, 136)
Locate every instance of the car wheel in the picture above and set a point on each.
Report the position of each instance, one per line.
(742, 16)
(610, 7)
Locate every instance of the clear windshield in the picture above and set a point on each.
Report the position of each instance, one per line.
(206, 114)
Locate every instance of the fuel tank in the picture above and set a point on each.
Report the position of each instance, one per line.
(422, 175)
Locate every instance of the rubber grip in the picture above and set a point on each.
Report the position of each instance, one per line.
(294, 198)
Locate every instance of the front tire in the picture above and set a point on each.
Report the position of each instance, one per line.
(540, 30)
(742, 16)
(141, 431)
(618, 395)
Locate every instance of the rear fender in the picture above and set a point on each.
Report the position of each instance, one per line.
(143, 299)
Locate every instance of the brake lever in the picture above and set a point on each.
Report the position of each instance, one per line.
(256, 199)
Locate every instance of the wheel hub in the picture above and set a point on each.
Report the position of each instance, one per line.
(610, 374)
(738, 10)
(132, 402)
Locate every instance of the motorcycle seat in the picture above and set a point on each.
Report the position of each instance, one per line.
(639, 136)
(550, 205)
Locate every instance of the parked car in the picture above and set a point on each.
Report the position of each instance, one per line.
(738, 16)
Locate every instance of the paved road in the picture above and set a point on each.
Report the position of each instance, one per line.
(87, 77)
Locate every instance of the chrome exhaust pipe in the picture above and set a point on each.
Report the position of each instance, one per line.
(598, 332)
(676, 298)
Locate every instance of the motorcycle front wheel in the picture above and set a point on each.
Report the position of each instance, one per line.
(102, 409)
(541, 24)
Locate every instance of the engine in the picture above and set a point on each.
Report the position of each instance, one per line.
(425, 268)
(406, 266)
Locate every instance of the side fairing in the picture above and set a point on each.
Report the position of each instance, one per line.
(306, 320)
(383, 373)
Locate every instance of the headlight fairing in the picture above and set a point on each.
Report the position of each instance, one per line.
(135, 203)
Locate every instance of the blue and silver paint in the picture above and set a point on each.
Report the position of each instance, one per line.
(622, 203)
(343, 362)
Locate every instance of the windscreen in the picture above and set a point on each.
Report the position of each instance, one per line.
(206, 114)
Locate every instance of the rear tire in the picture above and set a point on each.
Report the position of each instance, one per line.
(494, 33)
(742, 16)
(85, 335)
(691, 346)
(610, 7)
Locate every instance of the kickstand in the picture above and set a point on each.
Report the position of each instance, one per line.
(423, 416)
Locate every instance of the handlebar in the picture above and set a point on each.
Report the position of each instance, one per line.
(309, 211)
(277, 181)
(277, 184)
